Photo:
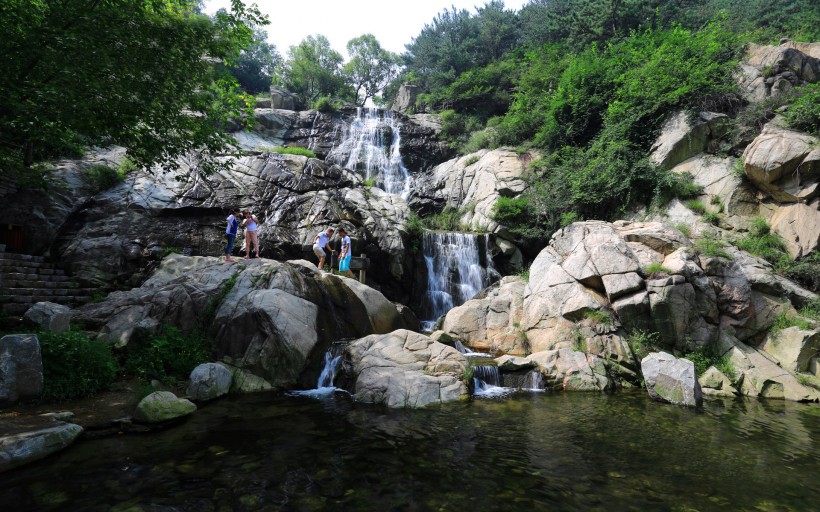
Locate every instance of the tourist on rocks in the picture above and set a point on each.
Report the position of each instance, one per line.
(320, 244)
(230, 233)
(345, 254)
(251, 224)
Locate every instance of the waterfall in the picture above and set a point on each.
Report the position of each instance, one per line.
(324, 384)
(454, 271)
(371, 144)
(534, 381)
(488, 382)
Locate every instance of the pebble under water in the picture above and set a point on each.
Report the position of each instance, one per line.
(528, 452)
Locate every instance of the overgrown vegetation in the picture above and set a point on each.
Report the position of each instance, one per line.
(786, 319)
(642, 342)
(705, 356)
(74, 366)
(804, 112)
(761, 242)
(710, 245)
(598, 317)
(293, 150)
(167, 355)
(656, 270)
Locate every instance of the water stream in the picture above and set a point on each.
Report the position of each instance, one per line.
(371, 144)
(533, 451)
(458, 267)
(324, 385)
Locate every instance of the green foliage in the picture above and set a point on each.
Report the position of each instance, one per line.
(524, 274)
(579, 342)
(598, 317)
(170, 354)
(759, 226)
(131, 72)
(168, 251)
(786, 319)
(327, 104)
(370, 68)
(257, 63)
(294, 150)
(811, 310)
(804, 112)
(696, 206)
(101, 177)
(655, 269)
(642, 342)
(471, 160)
(313, 69)
(709, 245)
(769, 246)
(684, 228)
(707, 356)
(467, 374)
(712, 218)
(74, 366)
(448, 219)
(806, 271)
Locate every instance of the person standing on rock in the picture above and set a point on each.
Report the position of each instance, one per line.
(345, 254)
(251, 224)
(230, 233)
(320, 244)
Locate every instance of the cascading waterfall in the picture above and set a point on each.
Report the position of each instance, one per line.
(488, 382)
(534, 381)
(372, 144)
(455, 273)
(324, 385)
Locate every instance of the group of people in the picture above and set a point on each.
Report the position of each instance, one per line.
(251, 225)
(320, 242)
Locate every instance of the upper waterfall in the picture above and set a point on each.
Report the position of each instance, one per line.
(371, 143)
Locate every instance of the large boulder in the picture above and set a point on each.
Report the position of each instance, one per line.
(793, 347)
(30, 439)
(682, 138)
(405, 369)
(799, 225)
(493, 321)
(268, 317)
(21, 369)
(672, 380)
(713, 382)
(570, 370)
(776, 70)
(48, 316)
(405, 100)
(284, 99)
(209, 381)
(162, 406)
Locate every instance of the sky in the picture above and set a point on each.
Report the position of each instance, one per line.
(393, 22)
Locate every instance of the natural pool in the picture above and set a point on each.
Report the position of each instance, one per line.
(528, 452)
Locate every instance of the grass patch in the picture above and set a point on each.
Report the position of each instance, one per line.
(656, 270)
(806, 271)
(101, 177)
(763, 243)
(785, 320)
(707, 356)
(579, 342)
(169, 354)
(448, 219)
(471, 160)
(696, 206)
(709, 245)
(684, 228)
(598, 317)
(369, 182)
(74, 366)
(524, 274)
(292, 151)
(712, 218)
(811, 310)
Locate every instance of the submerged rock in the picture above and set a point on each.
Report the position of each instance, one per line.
(405, 369)
(672, 380)
(26, 441)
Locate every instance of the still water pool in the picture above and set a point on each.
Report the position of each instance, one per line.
(527, 452)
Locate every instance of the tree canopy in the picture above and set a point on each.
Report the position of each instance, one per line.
(139, 73)
(370, 68)
(257, 64)
(313, 69)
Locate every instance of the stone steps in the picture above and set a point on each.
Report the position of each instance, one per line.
(26, 279)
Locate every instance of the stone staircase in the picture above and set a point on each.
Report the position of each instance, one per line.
(26, 279)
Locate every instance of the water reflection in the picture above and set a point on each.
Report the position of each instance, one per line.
(530, 452)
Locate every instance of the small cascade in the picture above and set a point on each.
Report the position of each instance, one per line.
(458, 267)
(324, 385)
(488, 382)
(468, 352)
(371, 144)
(534, 381)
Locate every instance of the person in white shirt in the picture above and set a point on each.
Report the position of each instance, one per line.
(319, 244)
(345, 254)
(230, 233)
(251, 224)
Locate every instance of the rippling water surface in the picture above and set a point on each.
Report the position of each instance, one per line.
(527, 452)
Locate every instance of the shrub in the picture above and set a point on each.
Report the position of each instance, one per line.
(568, 218)
(696, 206)
(471, 160)
(294, 151)
(759, 226)
(369, 182)
(101, 177)
(326, 104)
(804, 112)
(712, 218)
(707, 356)
(806, 271)
(811, 310)
(761, 242)
(74, 366)
(598, 317)
(684, 228)
(168, 354)
(524, 274)
(642, 342)
(785, 320)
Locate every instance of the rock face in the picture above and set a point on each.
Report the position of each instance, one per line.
(777, 70)
(682, 138)
(672, 380)
(405, 100)
(405, 369)
(209, 381)
(22, 442)
(570, 370)
(283, 99)
(21, 369)
(590, 291)
(161, 406)
(715, 383)
(268, 317)
(48, 316)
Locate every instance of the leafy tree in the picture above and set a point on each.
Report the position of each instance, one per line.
(313, 69)
(257, 63)
(139, 73)
(371, 67)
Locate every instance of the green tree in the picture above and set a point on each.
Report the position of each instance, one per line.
(257, 63)
(313, 69)
(370, 68)
(139, 73)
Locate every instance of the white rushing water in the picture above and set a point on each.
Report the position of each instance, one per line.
(455, 273)
(371, 144)
(324, 385)
(488, 382)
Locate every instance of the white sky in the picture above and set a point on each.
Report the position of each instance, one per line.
(393, 22)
